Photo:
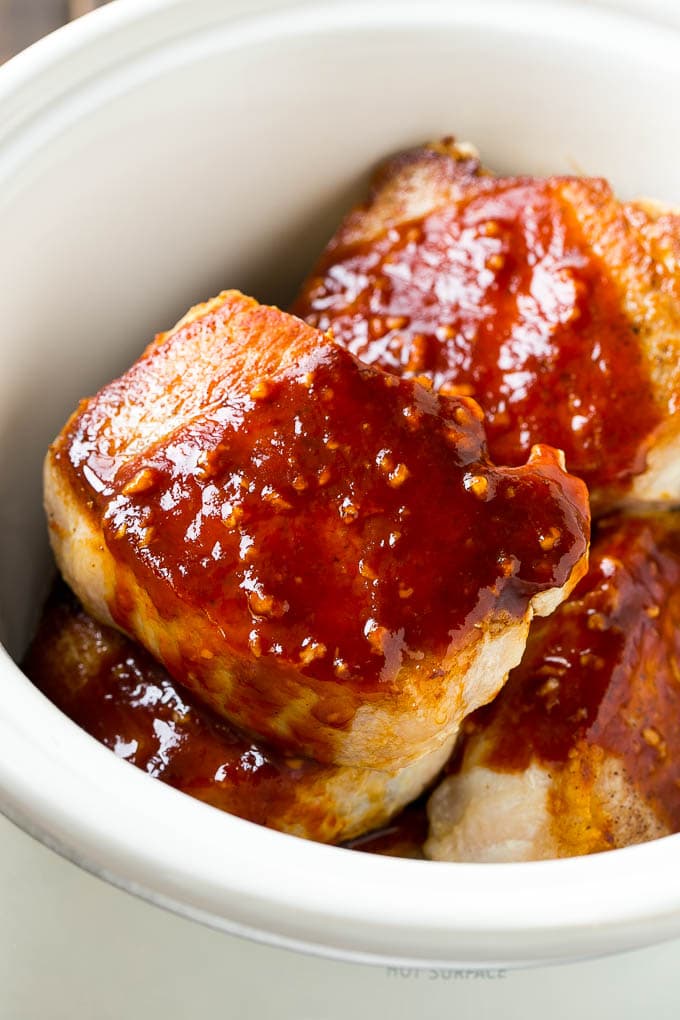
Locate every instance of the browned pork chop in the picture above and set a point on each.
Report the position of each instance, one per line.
(552, 303)
(120, 695)
(321, 552)
(581, 750)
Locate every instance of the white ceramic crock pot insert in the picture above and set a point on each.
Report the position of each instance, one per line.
(159, 151)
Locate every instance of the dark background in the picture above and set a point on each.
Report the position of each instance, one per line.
(24, 21)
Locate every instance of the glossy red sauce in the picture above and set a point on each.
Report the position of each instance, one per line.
(499, 296)
(605, 667)
(115, 691)
(332, 517)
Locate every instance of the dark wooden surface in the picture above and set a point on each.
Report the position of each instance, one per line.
(24, 21)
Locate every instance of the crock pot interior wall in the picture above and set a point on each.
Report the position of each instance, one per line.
(223, 160)
(217, 163)
(206, 172)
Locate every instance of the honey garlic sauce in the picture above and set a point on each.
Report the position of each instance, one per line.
(498, 295)
(115, 691)
(604, 668)
(339, 519)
